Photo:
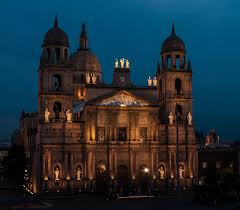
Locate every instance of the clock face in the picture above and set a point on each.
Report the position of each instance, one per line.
(122, 79)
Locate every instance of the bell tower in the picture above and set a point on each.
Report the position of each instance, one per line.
(174, 80)
(55, 76)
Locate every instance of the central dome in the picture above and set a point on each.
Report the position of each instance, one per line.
(173, 43)
(85, 60)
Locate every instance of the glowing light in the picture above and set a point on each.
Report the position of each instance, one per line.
(146, 170)
(154, 177)
(68, 177)
(45, 178)
(133, 177)
(112, 176)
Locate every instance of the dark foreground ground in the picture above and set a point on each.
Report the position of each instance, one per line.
(10, 200)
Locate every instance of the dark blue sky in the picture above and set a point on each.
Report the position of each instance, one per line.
(128, 28)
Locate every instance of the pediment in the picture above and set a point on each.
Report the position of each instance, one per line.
(123, 98)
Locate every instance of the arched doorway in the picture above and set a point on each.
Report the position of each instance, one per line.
(101, 178)
(144, 179)
(123, 179)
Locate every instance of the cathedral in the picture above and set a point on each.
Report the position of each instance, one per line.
(97, 137)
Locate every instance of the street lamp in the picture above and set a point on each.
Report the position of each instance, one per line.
(154, 181)
(46, 179)
(146, 170)
(91, 184)
(134, 184)
(112, 178)
(68, 182)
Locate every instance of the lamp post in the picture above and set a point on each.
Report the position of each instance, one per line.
(112, 178)
(191, 179)
(154, 182)
(91, 185)
(46, 180)
(68, 182)
(134, 184)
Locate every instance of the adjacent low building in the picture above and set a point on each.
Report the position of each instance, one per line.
(217, 157)
(4, 152)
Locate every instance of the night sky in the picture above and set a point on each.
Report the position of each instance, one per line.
(134, 29)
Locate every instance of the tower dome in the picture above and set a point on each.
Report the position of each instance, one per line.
(173, 43)
(55, 36)
(85, 61)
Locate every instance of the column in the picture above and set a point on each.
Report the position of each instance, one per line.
(43, 164)
(65, 168)
(72, 170)
(49, 164)
(89, 165)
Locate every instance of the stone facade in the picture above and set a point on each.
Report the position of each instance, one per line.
(119, 136)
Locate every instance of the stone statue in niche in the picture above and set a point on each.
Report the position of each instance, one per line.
(127, 64)
(57, 172)
(46, 115)
(116, 63)
(87, 78)
(94, 79)
(122, 62)
(69, 115)
(162, 172)
(189, 117)
(170, 118)
(78, 173)
(181, 171)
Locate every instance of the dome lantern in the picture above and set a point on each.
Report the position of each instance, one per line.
(173, 52)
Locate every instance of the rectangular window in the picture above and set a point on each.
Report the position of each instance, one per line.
(204, 165)
(122, 134)
(218, 164)
(143, 134)
(100, 134)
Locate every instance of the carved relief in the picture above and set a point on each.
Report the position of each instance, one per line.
(122, 99)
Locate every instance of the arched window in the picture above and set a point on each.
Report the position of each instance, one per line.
(65, 54)
(169, 62)
(57, 82)
(57, 55)
(178, 86)
(57, 108)
(178, 62)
